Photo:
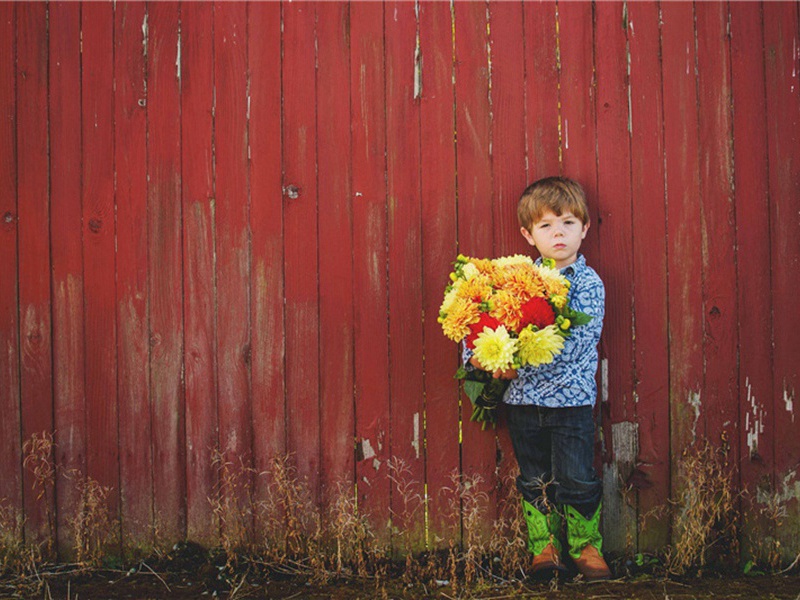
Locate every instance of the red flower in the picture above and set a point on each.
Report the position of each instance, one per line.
(537, 311)
(485, 321)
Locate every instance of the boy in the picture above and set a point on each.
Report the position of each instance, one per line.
(549, 408)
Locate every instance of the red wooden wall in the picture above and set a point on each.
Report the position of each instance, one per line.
(228, 226)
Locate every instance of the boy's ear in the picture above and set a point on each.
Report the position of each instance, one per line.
(585, 229)
(527, 235)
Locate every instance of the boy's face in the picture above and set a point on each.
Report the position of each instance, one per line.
(557, 236)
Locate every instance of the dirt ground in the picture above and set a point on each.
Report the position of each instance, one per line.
(204, 584)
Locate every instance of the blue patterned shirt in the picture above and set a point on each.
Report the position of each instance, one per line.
(570, 379)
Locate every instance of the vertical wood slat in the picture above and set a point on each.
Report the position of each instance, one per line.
(474, 210)
(541, 90)
(753, 247)
(199, 309)
(651, 359)
(165, 284)
(336, 251)
(34, 254)
(368, 124)
(437, 159)
(11, 482)
(719, 228)
(232, 203)
(99, 236)
(782, 69)
(613, 231)
(266, 224)
(301, 230)
(684, 261)
(405, 278)
(133, 335)
(67, 262)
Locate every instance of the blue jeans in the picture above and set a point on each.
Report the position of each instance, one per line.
(555, 444)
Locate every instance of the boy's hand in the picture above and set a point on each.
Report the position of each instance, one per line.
(476, 363)
(505, 374)
(498, 374)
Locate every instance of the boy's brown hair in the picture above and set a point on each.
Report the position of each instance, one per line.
(556, 194)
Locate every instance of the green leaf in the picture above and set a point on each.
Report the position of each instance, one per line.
(461, 373)
(473, 389)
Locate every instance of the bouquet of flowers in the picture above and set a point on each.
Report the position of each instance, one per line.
(511, 313)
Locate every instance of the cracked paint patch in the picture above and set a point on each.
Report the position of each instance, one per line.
(788, 399)
(753, 420)
(694, 402)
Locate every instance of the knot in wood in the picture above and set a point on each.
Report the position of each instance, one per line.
(95, 225)
(8, 217)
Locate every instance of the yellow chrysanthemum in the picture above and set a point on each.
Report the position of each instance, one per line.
(522, 281)
(506, 308)
(539, 347)
(555, 284)
(484, 265)
(495, 349)
(469, 271)
(477, 287)
(450, 298)
(515, 259)
(461, 314)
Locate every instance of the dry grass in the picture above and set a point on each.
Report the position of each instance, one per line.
(93, 528)
(704, 512)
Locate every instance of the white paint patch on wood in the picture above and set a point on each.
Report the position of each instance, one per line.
(753, 419)
(367, 451)
(788, 399)
(604, 378)
(694, 402)
(415, 441)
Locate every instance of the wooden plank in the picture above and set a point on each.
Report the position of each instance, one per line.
(715, 122)
(578, 116)
(266, 225)
(301, 248)
(683, 234)
(133, 339)
(10, 443)
(369, 262)
(405, 278)
(165, 270)
(508, 118)
(336, 261)
(651, 374)
(541, 90)
(197, 99)
(613, 229)
(475, 237)
(782, 55)
(232, 235)
(34, 257)
(439, 231)
(97, 100)
(67, 263)
(751, 177)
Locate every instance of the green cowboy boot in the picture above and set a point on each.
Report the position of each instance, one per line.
(586, 543)
(543, 542)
